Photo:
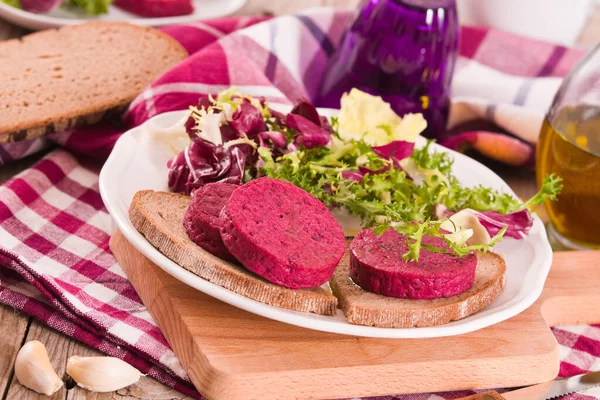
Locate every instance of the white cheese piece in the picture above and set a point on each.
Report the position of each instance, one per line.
(465, 220)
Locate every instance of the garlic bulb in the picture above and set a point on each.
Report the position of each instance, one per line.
(101, 374)
(34, 371)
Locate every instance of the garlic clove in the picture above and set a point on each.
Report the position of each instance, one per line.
(34, 371)
(102, 374)
(463, 220)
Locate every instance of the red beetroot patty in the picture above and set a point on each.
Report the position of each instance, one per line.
(201, 220)
(282, 233)
(376, 266)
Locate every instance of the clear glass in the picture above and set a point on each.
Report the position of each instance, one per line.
(569, 146)
(402, 50)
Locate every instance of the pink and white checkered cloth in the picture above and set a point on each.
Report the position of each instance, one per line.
(54, 258)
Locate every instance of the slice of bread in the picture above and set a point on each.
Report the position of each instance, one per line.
(365, 308)
(159, 217)
(54, 80)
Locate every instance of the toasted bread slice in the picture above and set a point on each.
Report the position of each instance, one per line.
(159, 217)
(57, 79)
(365, 308)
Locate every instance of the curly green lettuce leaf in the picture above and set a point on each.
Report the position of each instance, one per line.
(90, 7)
(12, 3)
(551, 188)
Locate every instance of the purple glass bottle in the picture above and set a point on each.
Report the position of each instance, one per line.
(401, 50)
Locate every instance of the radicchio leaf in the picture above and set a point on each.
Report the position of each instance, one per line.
(277, 138)
(204, 102)
(518, 223)
(190, 124)
(203, 162)
(305, 109)
(365, 170)
(352, 175)
(395, 151)
(39, 6)
(248, 120)
(228, 133)
(279, 117)
(325, 124)
(309, 134)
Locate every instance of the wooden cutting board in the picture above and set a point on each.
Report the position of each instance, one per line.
(232, 354)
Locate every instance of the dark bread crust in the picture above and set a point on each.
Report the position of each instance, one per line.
(365, 308)
(59, 79)
(159, 217)
(62, 125)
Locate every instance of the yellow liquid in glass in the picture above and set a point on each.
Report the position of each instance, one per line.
(569, 146)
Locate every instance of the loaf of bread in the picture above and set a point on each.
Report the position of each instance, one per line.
(57, 79)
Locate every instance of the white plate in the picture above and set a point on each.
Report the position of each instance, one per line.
(203, 9)
(135, 164)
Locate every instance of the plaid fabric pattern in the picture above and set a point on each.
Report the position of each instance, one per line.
(57, 266)
(55, 263)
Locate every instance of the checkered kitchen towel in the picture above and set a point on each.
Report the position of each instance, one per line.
(54, 230)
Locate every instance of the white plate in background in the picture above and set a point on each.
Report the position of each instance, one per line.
(136, 164)
(203, 9)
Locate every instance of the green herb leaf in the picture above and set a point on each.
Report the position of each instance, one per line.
(13, 3)
(91, 7)
(551, 188)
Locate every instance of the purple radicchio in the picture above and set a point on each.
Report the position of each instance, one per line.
(395, 151)
(248, 120)
(190, 125)
(518, 223)
(353, 175)
(203, 162)
(39, 6)
(307, 110)
(276, 138)
(362, 171)
(309, 134)
(365, 170)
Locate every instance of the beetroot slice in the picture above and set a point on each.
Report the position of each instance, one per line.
(376, 266)
(282, 233)
(201, 220)
(156, 8)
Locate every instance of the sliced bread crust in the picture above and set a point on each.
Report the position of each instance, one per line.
(159, 217)
(365, 308)
(58, 79)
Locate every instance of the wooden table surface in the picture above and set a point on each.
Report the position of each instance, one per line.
(17, 328)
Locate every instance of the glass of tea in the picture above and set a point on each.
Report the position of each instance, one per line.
(569, 146)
